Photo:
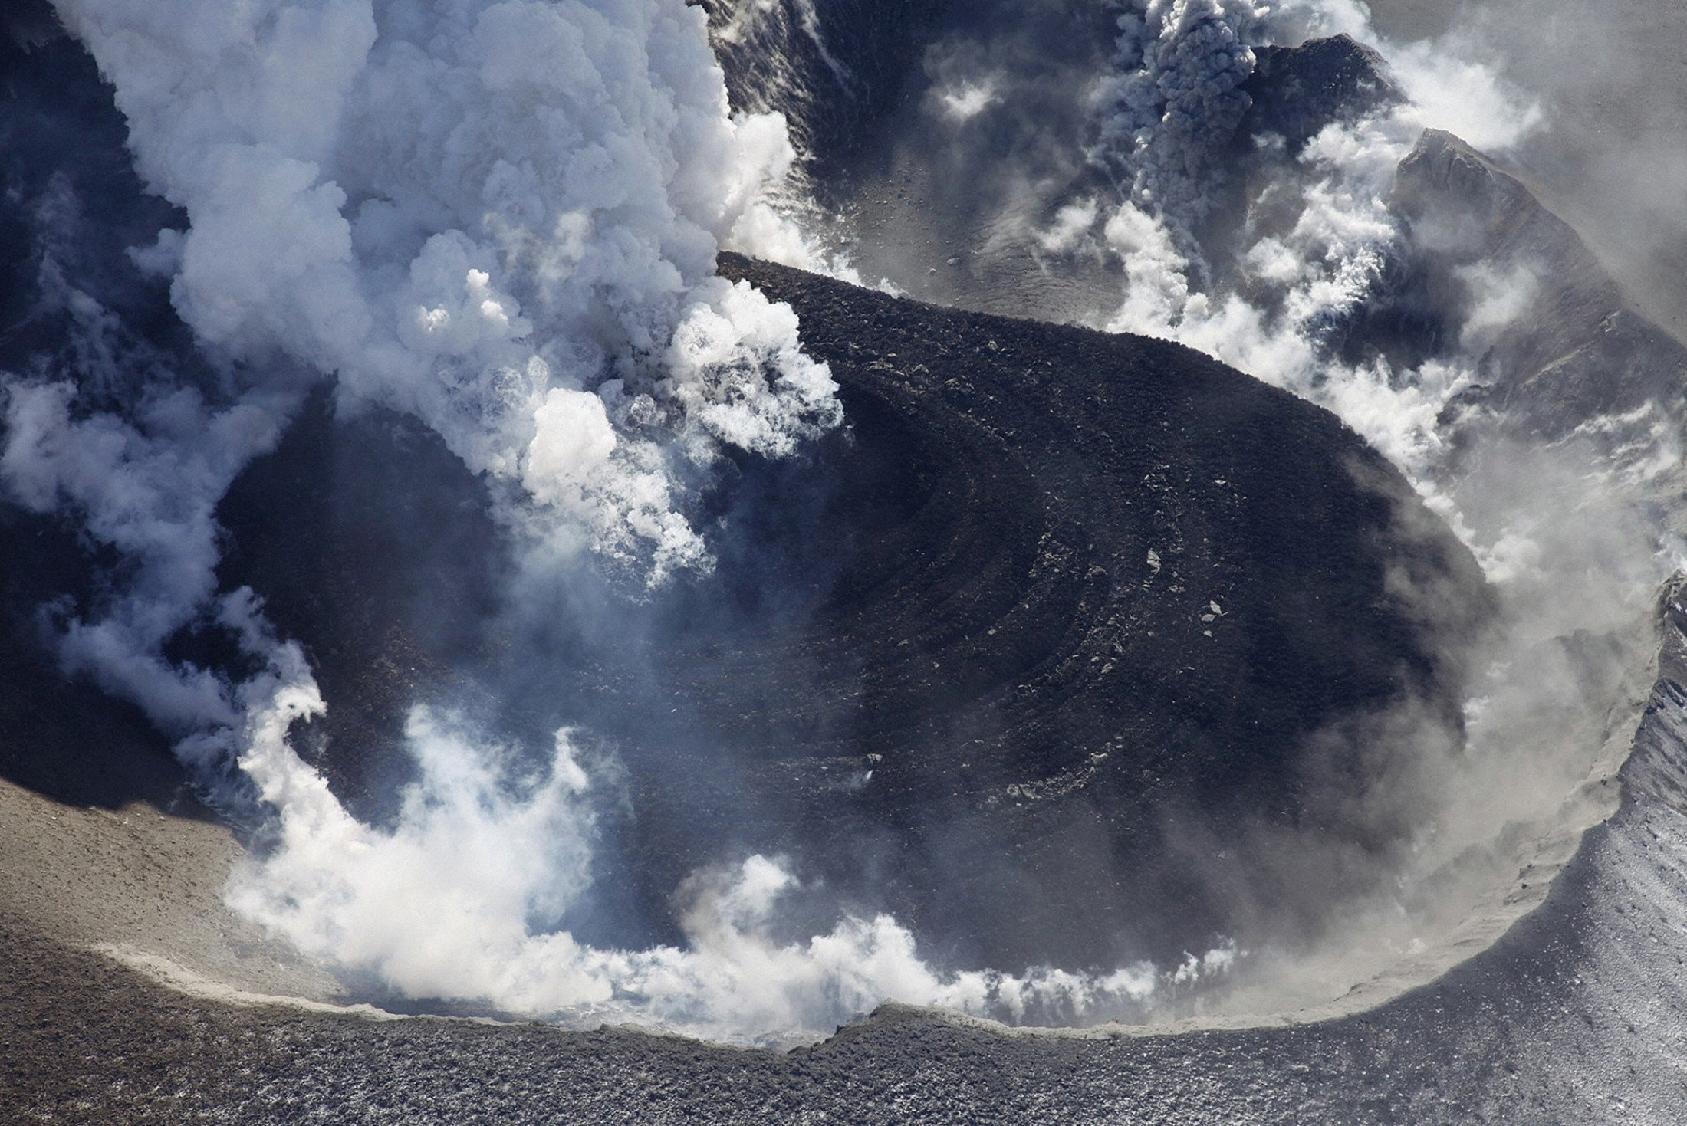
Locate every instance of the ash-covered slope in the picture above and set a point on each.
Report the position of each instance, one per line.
(1054, 653)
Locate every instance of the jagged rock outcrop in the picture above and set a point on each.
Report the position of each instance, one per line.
(1297, 91)
(1574, 349)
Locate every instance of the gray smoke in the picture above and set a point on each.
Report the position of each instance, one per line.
(1176, 97)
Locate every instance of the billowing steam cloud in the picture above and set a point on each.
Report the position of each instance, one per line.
(1282, 310)
(500, 219)
(438, 908)
(436, 205)
(1319, 272)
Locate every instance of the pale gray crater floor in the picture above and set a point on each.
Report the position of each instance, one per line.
(1576, 1015)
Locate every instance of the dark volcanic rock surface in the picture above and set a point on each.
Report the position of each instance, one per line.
(1297, 91)
(1027, 655)
(1030, 654)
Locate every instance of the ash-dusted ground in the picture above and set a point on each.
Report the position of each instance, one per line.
(1574, 1016)
(136, 879)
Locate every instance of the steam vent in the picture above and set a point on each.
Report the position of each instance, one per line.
(842, 560)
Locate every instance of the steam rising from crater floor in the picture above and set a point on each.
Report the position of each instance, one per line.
(1299, 211)
(501, 219)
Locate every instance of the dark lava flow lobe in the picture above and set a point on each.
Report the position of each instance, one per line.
(1123, 589)
(1034, 653)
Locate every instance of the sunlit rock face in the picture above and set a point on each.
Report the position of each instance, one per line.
(1577, 349)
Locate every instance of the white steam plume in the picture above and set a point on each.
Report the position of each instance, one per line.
(1171, 108)
(500, 218)
(147, 488)
(1319, 272)
(444, 906)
